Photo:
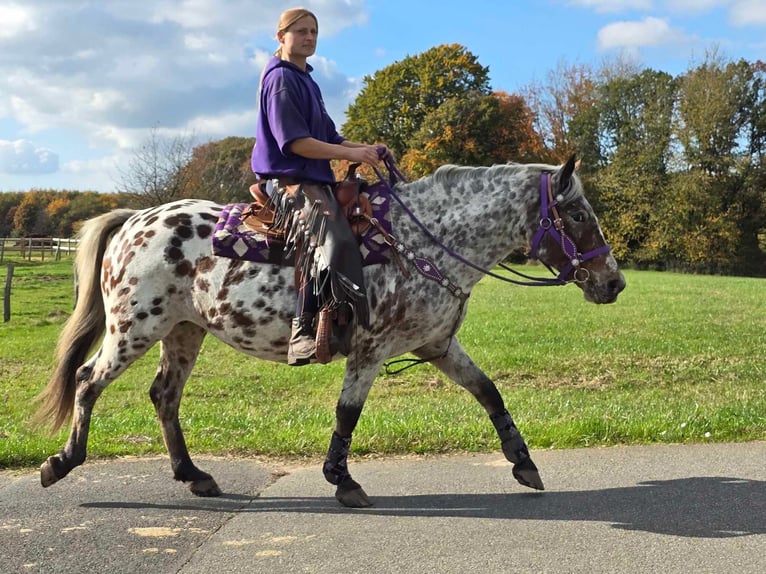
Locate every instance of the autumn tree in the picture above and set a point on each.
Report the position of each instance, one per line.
(220, 170)
(58, 210)
(560, 106)
(30, 217)
(394, 102)
(475, 129)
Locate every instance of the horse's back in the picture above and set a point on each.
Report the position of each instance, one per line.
(160, 270)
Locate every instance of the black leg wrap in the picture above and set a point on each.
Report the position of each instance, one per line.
(514, 447)
(335, 465)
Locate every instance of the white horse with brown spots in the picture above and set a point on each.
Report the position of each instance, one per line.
(150, 276)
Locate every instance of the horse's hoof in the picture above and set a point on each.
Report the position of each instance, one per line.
(526, 473)
(48, 474)
(206, 487)
(353, 498)
(352, 495)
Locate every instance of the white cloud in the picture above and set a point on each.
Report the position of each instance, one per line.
(23, 157)
(686, 6)
(16, 19)
(637, 34)
(748, 13)
(91, 166)
(613, 5)
(114, 69)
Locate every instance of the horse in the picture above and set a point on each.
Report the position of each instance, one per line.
(150, 276)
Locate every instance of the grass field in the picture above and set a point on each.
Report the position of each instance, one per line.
(679, 358)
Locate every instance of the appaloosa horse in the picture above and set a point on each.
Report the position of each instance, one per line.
(149, 276)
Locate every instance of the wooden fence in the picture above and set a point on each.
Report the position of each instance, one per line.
(36, 248)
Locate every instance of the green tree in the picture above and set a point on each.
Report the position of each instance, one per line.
(9, 202)
(635, 123)
(721, 131)
(396, 100)
(712, 113)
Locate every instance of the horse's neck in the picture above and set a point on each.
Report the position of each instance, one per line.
(480, 213)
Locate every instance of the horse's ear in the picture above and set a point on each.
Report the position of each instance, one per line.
(566, 172)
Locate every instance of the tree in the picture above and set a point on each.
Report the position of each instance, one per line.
(565, 102)
(720, 129)
(220, 170)
(516, 133)
(711, 116)
(395, 101)
(476, 129)
(57, 210)
(9, 202)
(30, 217)
(635, 123)
(157, 172)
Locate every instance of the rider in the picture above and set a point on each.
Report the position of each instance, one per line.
(295, 141)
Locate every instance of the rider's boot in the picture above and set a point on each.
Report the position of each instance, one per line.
(302, 347)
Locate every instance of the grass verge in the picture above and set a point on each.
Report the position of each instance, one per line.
(679, 358)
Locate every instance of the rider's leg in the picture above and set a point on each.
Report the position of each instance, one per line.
(302, 347)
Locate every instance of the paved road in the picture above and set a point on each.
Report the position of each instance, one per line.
(690, 509)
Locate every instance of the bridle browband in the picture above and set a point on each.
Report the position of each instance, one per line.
(548, 225)
(552, 224)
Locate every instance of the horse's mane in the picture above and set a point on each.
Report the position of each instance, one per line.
(446, 173)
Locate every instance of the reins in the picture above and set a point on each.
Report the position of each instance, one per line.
(553, 226)
(550, 223)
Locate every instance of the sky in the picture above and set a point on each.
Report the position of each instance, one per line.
(84, 83)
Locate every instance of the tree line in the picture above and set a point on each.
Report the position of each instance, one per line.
(673, 164)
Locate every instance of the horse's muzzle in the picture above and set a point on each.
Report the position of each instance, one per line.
(603, 291)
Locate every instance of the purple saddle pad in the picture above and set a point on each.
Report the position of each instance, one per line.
(231, 238)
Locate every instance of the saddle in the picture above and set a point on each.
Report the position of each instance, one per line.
(263, 215)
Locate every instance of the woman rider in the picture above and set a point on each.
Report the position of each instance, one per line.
(295, 141)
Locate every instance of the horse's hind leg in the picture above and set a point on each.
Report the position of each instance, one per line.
(91, 378)
(459, 367)
(179, 353)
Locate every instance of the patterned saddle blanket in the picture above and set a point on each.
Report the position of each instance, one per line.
(233, 239)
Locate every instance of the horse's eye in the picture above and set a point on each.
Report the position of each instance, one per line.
(578, 216)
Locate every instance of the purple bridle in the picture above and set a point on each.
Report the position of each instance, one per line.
(552, 224)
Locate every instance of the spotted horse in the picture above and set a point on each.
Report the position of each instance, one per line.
(150, 276)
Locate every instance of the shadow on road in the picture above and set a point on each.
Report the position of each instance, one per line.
(705, 507)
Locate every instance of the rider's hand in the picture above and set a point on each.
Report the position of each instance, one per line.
(365, 154)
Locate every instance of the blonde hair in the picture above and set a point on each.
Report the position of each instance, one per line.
(290, 17)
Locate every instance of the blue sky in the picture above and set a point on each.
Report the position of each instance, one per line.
(82, 83)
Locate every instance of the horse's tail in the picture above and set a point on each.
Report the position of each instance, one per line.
(85, 326)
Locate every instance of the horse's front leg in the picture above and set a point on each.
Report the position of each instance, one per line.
(356, 385)
(459, 367)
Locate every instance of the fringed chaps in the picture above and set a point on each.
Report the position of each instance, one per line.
(325, 249)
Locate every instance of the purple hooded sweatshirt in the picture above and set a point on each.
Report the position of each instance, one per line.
(291, 107)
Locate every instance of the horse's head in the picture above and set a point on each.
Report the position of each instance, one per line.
(569, 239)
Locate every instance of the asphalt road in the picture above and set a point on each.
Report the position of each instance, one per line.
(690, 509)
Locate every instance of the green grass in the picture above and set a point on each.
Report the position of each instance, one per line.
(679, 358)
